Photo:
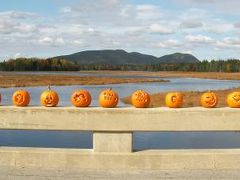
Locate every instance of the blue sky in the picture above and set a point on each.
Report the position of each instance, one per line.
(209, 29)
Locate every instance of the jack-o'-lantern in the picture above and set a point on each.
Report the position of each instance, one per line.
(209, 100)
(233, 100)
(21, 98)
(140, 99)
(49, 98)
(174, 100)
(81, 98)
(108, 98)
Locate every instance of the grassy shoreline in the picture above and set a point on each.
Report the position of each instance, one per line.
(23, 80)
(166, 74)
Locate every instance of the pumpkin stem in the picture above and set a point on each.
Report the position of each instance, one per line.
(49, 88)
(110, 88)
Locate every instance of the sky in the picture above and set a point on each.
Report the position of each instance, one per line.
(208, 29)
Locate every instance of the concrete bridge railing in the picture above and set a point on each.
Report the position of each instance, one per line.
(112, 137)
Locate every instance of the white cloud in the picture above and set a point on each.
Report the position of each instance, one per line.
(231, 41)
(173, 42)
(146, 11)
(228, 42)
(78, 42)
(11, 27)
(218, 26)
(135, 30)
(222, 6)
(160, 29)
(51, 41)
(17, 55)
(17, 15)
(12, 22)
(112, 2)
(191, 23)
(45, 40)
(169, 44)
(199, 39)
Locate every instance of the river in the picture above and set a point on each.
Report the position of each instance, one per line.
(146, 140)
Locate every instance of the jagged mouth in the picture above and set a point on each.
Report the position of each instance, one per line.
(49, 100)
(141, 97)
(79, 98)
(236, 98)
(211, 101)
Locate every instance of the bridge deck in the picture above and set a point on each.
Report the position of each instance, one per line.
(112, 138)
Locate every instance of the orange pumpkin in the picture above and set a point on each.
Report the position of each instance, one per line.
(21, 98)
(209, 100)
(108, 98)
(49, 98)
(81, 98)
(233, 100)
(140, 99)
(174, 100)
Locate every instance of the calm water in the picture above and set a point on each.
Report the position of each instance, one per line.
(180, 84)
(147, 140)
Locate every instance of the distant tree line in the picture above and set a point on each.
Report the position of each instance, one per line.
(53, 64)
(35, 64)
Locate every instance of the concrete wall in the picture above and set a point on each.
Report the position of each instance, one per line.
(120, 119)
(142, 160)
(112, 139)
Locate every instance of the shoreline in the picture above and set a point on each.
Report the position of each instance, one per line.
(8, 80)
(159, 74)
(178, 74)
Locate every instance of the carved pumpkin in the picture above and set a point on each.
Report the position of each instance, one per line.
(233, 100)
(21, 98)
(49, 98)
(140, 99)
(174, 100)
(108, 98)
(209, 100)
(81, 98)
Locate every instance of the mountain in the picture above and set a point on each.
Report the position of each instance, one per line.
(115, 57)
(178, 58)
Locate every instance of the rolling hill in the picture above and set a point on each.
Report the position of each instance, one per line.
(123, 57)
(178, 58)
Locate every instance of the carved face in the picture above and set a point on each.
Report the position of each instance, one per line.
(49, 98)
(174, 100)
(81, 98)
(209, 100)
(108, 98)
(233, 100)
(21, 98)
(140, 99)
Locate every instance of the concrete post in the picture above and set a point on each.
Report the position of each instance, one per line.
(112, 142)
